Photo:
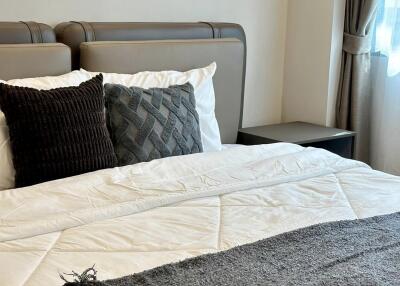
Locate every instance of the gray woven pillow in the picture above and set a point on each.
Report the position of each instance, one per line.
(147, 124)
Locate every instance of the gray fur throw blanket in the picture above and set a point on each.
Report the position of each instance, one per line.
(359, 252)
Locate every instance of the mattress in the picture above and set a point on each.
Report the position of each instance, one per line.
(126, 220)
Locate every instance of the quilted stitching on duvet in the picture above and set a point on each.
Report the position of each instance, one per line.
(259, 192)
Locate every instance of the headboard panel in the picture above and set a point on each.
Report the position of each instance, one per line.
(34, 60)
(182, 55)
(26, 33)
(74, 33)
(28, 49)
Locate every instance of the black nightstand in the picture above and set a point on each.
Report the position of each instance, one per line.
(335, 140)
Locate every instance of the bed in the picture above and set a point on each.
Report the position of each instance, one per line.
(129, 219)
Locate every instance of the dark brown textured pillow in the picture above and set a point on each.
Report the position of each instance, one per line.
(57, 133)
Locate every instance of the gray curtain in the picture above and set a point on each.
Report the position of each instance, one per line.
(353, 101)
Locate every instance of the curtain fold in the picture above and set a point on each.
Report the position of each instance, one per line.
(354, 93)
(385, 126)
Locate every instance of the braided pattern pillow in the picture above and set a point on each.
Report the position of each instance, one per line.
(147, 124)
(57, 133)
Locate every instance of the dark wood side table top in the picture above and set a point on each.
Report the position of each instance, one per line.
(335, 140)
(297, 132)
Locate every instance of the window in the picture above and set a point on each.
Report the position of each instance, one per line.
(387, 34)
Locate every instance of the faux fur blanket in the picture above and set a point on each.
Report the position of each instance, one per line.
(359, 252)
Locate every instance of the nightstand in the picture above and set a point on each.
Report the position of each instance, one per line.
(338, 141)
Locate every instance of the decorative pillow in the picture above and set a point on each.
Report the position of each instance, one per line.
(57, 133)
(73, 78)
(147, 124)
(202, 81)
(7, 174)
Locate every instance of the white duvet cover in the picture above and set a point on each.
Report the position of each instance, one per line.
(129, 219)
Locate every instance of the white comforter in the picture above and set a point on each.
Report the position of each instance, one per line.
(130, 219)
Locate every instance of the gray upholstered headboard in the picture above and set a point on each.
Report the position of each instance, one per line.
(28, 49)
(33, 53)
(74, 33)
(182, 55)
(26, 33)
(167, 46)
(34, 60)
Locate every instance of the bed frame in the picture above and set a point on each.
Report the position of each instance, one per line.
(29, 49)
(26, 33)
(130, 48)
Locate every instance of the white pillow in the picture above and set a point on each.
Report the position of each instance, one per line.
(201, 79)
(7, 171)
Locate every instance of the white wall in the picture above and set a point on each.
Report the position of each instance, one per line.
(312, 60)
(263, 20)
